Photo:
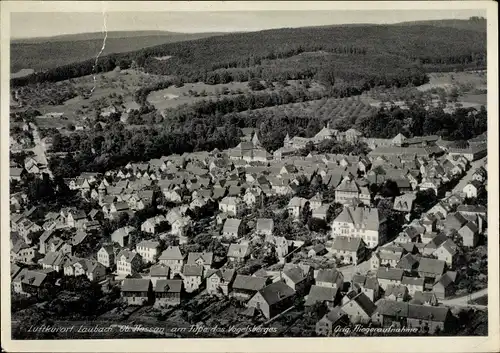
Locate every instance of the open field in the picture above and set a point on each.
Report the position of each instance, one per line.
(174, 96)
(448, 80)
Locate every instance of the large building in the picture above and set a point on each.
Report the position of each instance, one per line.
(361, 222)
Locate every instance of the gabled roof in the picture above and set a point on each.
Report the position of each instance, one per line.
(328, 275)
(171, 253)
(366, 217)
(364, 303)
(168, 286)
(320, 294)
(433, 266)
(207, 257)
(250, 283)
(276, 292)
(390, 273)
(347, 243)
(238, 250)
(135, 285)
(192, 270)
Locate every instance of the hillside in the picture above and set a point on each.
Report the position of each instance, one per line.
(407, 51)
(471, 25)
(50, 52)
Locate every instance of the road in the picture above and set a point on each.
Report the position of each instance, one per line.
(468, 176)
(464, 300)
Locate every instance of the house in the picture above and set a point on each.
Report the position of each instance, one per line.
(445, 286)
(472, 189)
(204, 259)
(157, 272)
(95, 271)
(148, 249)
(232, 228)
(470, 234)
(424, 298)
(252, 197)
(430, 319)
(167, 292)
(181, 226)
(297, 277)
(29, 282)
(480, 174)
(317, 250)
(334, 318)
(232, 206)
(359, 309)
(408, 263)
(295, 206)
(192, 275)
(321, 212)
(53, 260)
(22, 252)
(366, 284)
(106, 255)
(404, 203)
(349, 250)
(238, 253)
(387, 256)
(322, 295)
(220, 281)
(447, 252)
(361, 222)
(349, 190)
(396, 292)
(137, 291)
(329, 278)
(244, 287)
(387, 276)
(16, 174)
(122, 235)
(149, 225)
(127, 263)
(173, 258)
(273, 299)
(265, 226)
(431, 268)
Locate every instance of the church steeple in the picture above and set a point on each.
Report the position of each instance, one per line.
(255, 140)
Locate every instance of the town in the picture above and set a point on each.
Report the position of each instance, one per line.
(289, 240)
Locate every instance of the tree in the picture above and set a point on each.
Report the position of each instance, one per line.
(306, 213)
(389, 189)
(326, 75)
(255, 85)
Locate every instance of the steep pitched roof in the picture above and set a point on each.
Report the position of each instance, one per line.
(168, 286)
(320, 294)
(276, 292)
(249, 283)
(135, 285)
(171, 253)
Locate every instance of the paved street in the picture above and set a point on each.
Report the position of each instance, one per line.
(463, 300)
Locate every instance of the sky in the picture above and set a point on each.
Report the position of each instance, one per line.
(45, 24)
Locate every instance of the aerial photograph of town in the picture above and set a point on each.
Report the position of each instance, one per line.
(283, 176)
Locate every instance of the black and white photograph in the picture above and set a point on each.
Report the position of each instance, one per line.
(244, 174)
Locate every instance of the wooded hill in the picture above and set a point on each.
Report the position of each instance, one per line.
(411, 49)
